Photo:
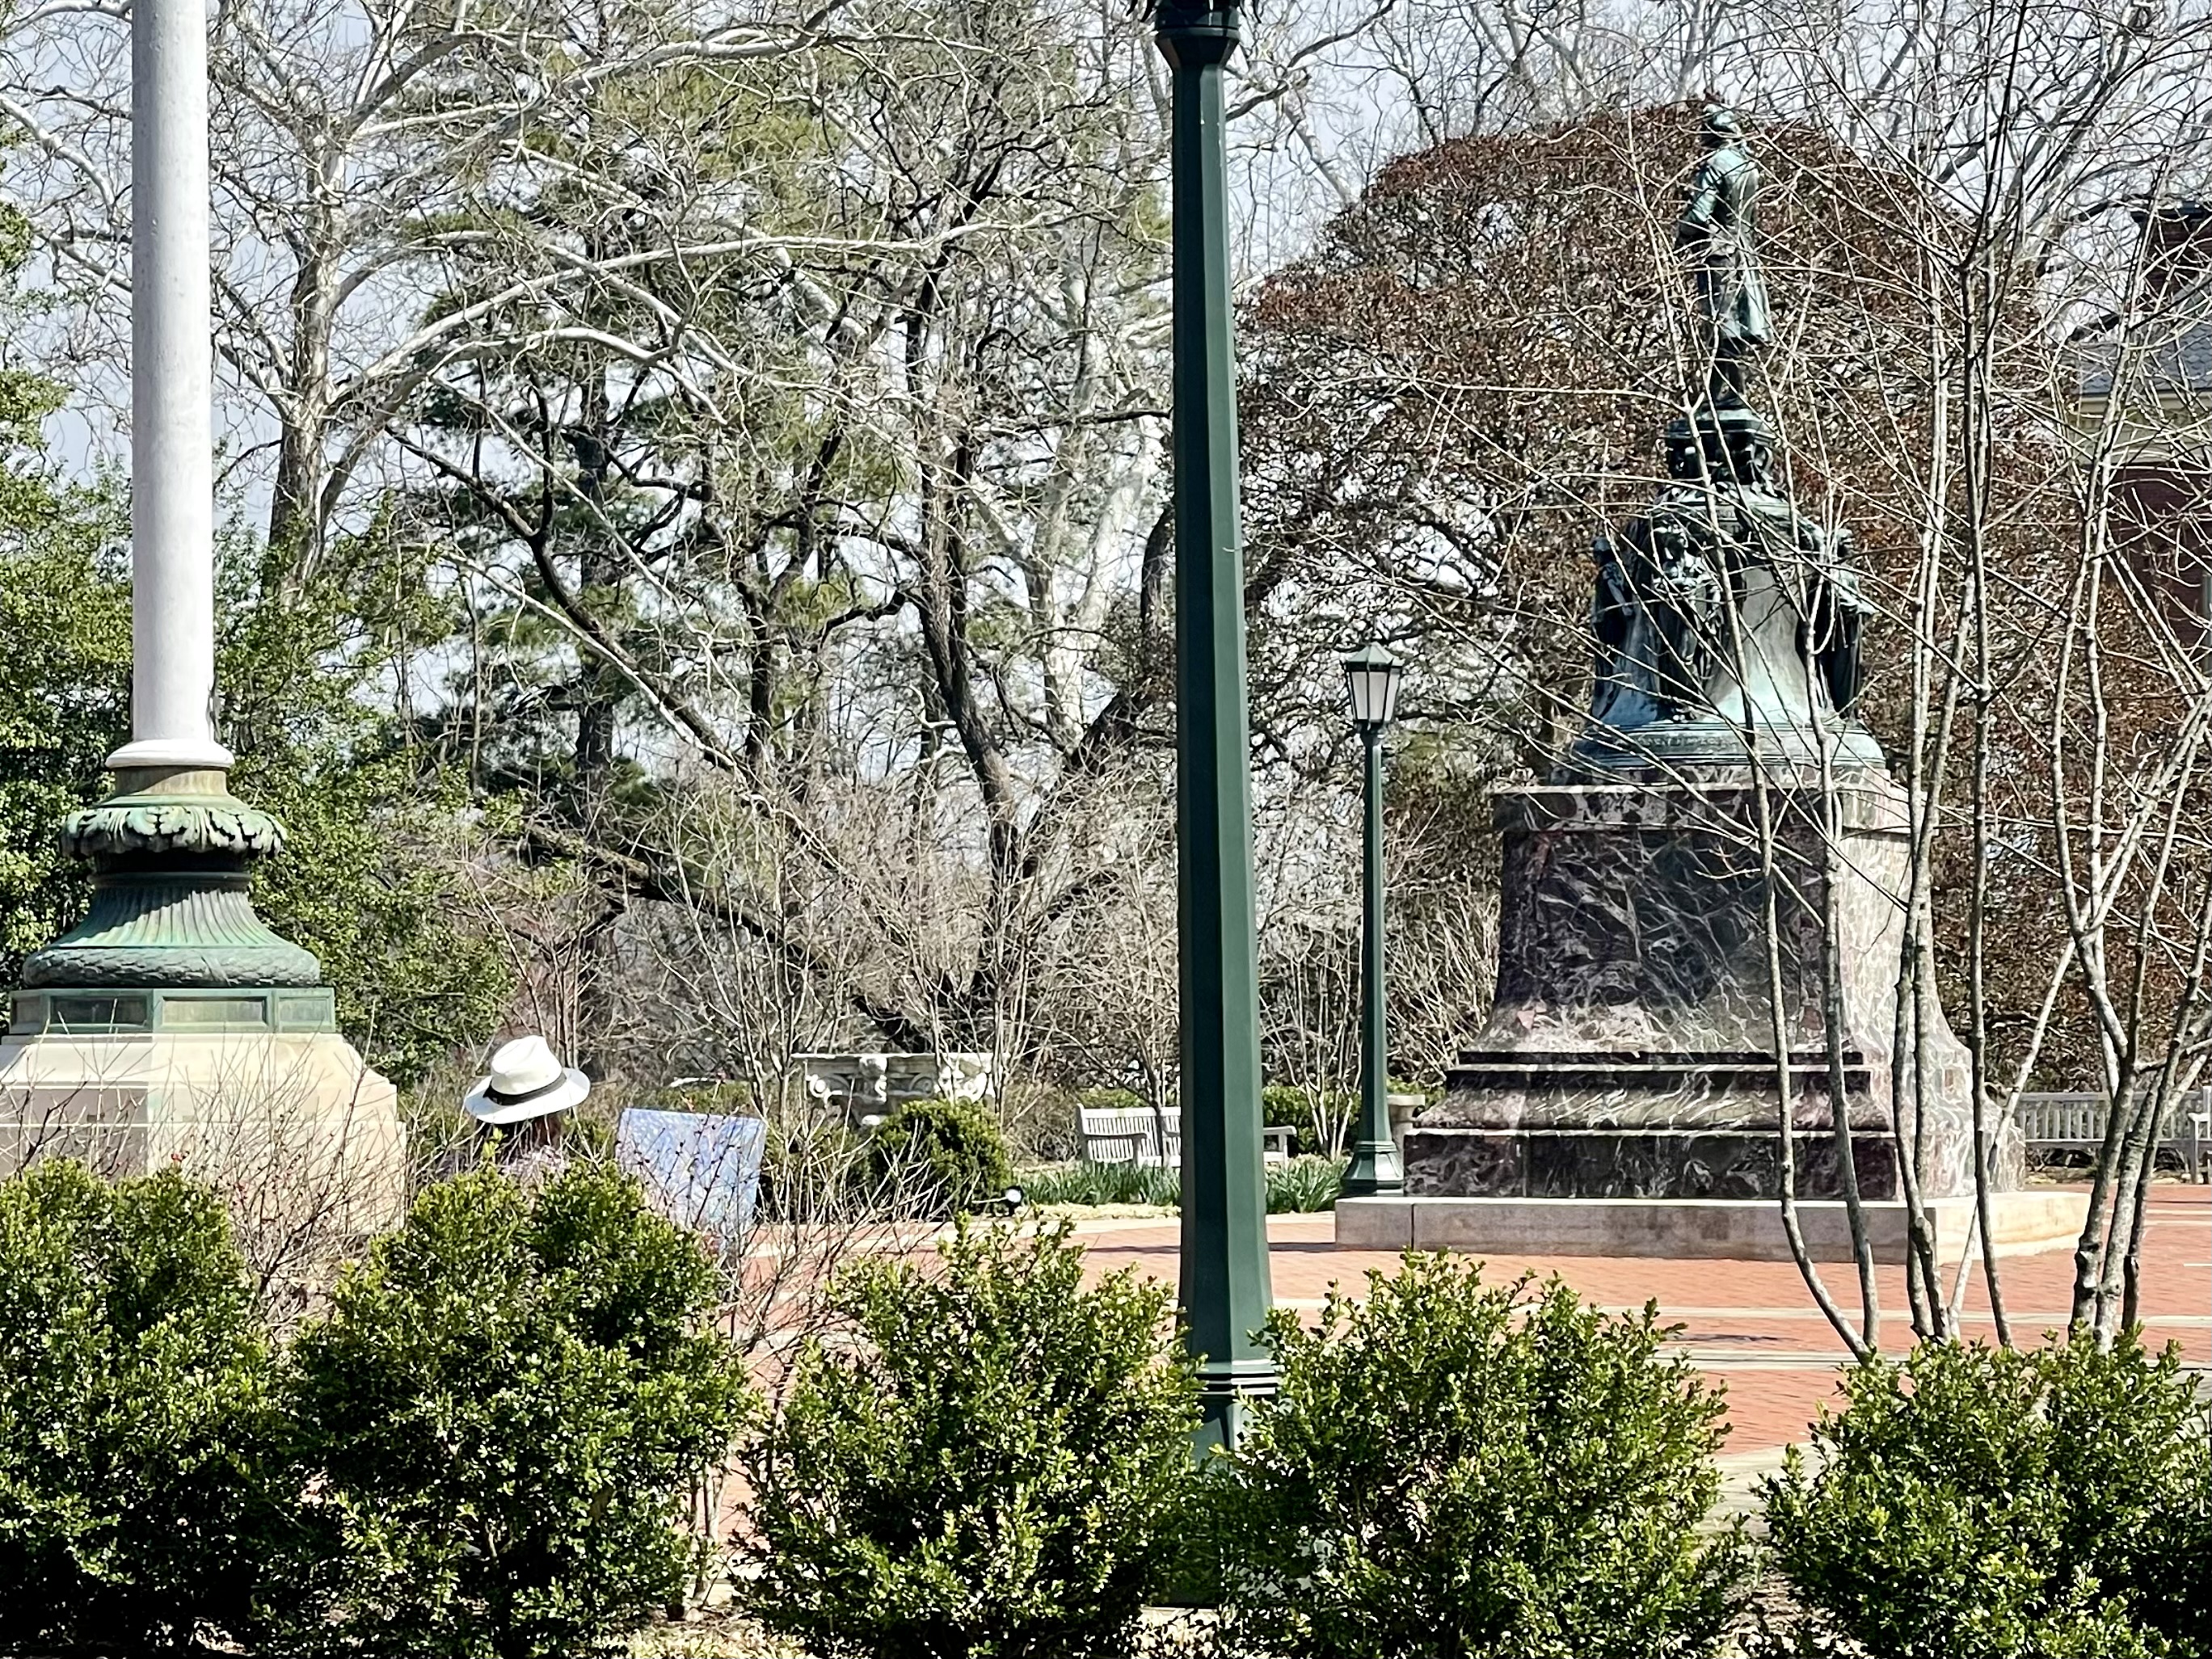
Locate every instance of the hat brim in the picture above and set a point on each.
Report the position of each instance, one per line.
(481, 1104)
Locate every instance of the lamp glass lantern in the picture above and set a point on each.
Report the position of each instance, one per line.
(1371, 676)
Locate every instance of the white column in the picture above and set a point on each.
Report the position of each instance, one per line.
(171, 368)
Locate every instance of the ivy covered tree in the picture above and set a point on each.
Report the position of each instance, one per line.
(64, 676)
(65, 620)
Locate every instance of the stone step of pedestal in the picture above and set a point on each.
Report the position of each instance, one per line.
(1739, 1229)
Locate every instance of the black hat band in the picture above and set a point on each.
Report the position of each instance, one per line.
(527, 1095)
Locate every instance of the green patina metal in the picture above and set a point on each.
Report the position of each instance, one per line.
(87, 1011)
(1728, 622)
(1225, 1289)
(170, 941)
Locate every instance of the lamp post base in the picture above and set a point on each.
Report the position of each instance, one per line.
(1375, 1169)
(171, 1026)
(1226, 1393)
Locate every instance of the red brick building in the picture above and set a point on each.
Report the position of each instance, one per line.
(2149, 396)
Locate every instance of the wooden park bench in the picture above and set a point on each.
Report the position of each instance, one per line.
(1126, 1135)
(2076, 1122)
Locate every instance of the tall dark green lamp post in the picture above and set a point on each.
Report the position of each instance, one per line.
(1225, 1290)
(1371, 676)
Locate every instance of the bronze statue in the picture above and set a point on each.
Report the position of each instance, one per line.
(1719, 224)
(1835, 617)
(1722, 615)
(1662, 630)
(1669, 590)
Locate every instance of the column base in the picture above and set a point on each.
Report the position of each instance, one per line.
(171, 1027)
(86, 1010)
(257, 1092)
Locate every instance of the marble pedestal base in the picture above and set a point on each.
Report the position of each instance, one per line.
(1707, 1163)
(292, 1124)
(1630, 1051)
(1739, 1229)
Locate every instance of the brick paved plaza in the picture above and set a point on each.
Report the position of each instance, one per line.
(1753, 1323)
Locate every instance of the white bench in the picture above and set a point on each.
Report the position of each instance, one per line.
(2076, 1123)
(1137, 1134)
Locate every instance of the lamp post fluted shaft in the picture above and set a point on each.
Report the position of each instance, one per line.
(172, 382)
(1375, 1166)
(1225, 1290)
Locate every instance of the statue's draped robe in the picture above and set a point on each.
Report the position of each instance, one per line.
(1667, 649)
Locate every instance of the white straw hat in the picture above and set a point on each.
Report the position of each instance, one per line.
(526, 1080)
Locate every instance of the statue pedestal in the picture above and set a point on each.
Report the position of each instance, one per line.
(1623, 1091)
(1629, 1051)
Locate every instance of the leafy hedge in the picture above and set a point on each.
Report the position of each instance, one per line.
(944, 1156)
(481, 1449)
(1977, 1503)
(994, 1469)
(141, 1497)
(502, 1411)
(1457, 1470)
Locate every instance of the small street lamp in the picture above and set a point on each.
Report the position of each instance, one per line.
(1371, 677)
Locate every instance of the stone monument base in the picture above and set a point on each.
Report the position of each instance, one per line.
(253, 1090)
(1644, 928)
(1725, 1229)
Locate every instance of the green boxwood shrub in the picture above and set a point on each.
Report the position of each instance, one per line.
(1321, 1117)
(944, 1155)
(993, 1472)
(503, 1412)
(1977, 1503)
(139, 1501)
(1470, 1471)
